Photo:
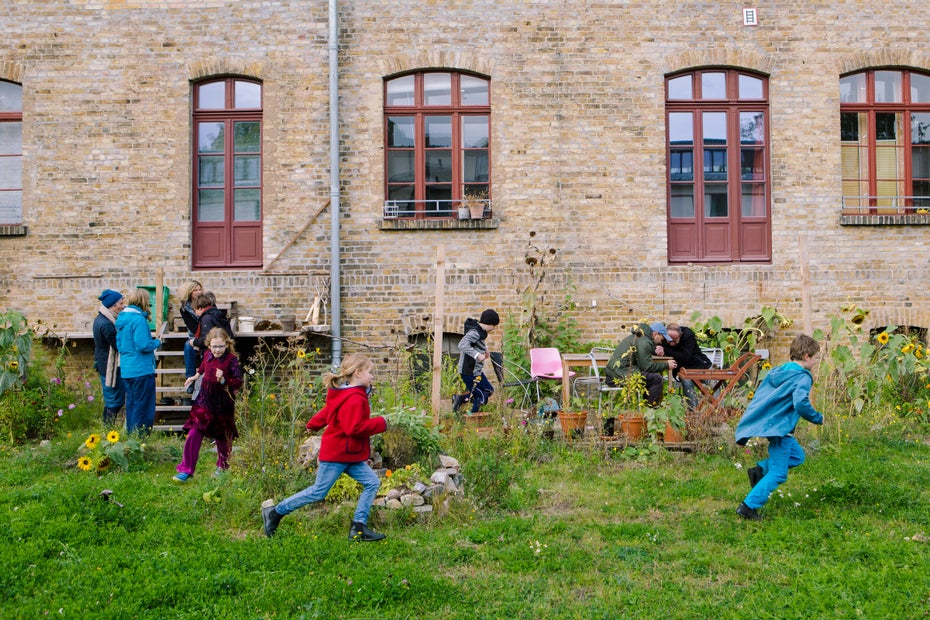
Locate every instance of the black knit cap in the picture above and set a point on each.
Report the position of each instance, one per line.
(489, 317)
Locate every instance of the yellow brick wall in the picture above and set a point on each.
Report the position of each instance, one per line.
(577, 154)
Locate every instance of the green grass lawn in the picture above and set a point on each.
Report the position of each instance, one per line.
(567, 533)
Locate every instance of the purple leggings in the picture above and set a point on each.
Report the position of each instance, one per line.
(192, 452)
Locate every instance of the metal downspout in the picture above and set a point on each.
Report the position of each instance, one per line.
(334, 208)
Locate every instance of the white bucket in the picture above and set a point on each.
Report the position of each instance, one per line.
(246, 324)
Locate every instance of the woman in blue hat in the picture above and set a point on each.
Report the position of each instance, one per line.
(106, 356)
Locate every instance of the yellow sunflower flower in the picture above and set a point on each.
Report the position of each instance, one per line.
(113, 436)
(13, 364)
(907, 348)
(766, 366)
(301, 354)
(882, 338)
(92, 441)
(84, 463)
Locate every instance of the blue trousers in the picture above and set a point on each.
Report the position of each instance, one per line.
(784, 453)
(326, 477)
(191, 357)
(479, 388)
(113, 398)
(140, 403)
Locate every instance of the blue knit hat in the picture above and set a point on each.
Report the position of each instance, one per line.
(109, 297)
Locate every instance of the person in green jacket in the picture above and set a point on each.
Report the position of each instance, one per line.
(635, 353)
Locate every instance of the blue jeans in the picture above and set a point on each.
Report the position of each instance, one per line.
(479, 388)
(326, 477)
(784, 453)
(113, 398)
(191, 356)
(140, 403)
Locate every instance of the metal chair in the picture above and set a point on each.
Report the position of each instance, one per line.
(714, 355)
(595, 379)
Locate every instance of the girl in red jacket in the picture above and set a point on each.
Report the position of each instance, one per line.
(345, 447)
(212, 414)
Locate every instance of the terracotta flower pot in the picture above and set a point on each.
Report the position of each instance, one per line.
(672, 434)
(634, 427)
(573, 423)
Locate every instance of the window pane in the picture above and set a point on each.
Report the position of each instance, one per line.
(715, 165)
(475, 166)
(437, 89)
(474, 91)
(438, 166)
(681, 166)
(248, 95)
(400, 192)
(713, 86)
(247, 137)
(752, 167)
(211, 171)
(750, 87)
(11, 97)
(887, 125)
(439, 192)
(247, 205)
(11, 172)
(401, 132)
(753, 200)
(11, 138)
(920, 128)
(210, 203)
(920, 88)
(680, 88)
(751, 127)
(438, 131)
(474, 132)
(400, 91)
(212, 96)
(476, 191)
(715, 127)
(715, 200)
(887, 86)
(849, 126)
(920, 162)
(921, 188)
(211, 137)
(682, 201)
(247, 170)
(11, 206)
(852, 88)
(680, 128)
(400, 166)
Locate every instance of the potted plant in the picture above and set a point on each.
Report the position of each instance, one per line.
(574, 420)
(475, 203)
(609, 416)
(632, 401)
(668, 420)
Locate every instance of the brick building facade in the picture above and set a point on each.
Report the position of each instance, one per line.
(578, 150)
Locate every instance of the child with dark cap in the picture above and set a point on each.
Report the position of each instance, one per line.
(474, 352)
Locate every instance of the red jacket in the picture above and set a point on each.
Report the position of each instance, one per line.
(349, 425)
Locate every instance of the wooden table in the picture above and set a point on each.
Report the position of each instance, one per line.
(578, 360)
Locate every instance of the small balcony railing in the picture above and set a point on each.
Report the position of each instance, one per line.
(437, 209)
(895, 205)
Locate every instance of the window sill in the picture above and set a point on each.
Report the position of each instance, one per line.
(13, 230)
(887, 219)
(438, 224)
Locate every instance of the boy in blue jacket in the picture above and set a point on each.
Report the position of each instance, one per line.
(780, 401)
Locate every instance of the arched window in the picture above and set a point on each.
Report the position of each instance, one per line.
(437, 129)
(227, 229)
(11, 153)
(885, 137)
(719, 212)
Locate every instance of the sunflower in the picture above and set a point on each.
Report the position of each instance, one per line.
(13, 365)
(766, 366)
(301, 354)
(84, 463)
(882, 338)
(907, 348)
(113, 436)
(92, 441)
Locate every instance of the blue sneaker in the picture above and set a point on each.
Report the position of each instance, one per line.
(182, 477)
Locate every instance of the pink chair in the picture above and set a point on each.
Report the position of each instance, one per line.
(546, 365)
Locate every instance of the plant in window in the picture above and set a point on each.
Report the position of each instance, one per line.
(475, 204)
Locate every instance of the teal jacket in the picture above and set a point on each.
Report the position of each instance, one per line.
(634, 353)
(781, 400)
(135, 343)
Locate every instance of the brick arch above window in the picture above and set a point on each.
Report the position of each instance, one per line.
(12, 71)
(885, 57)
(726, 59)
(217, 67)
(392, 65)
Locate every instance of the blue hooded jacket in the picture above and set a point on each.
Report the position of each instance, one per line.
(780, 401)
(135, 343)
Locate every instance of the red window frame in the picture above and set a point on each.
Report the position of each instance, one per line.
(884, 171)
(8, 154)
(719, 212)
(227, 185)
(419, 194)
